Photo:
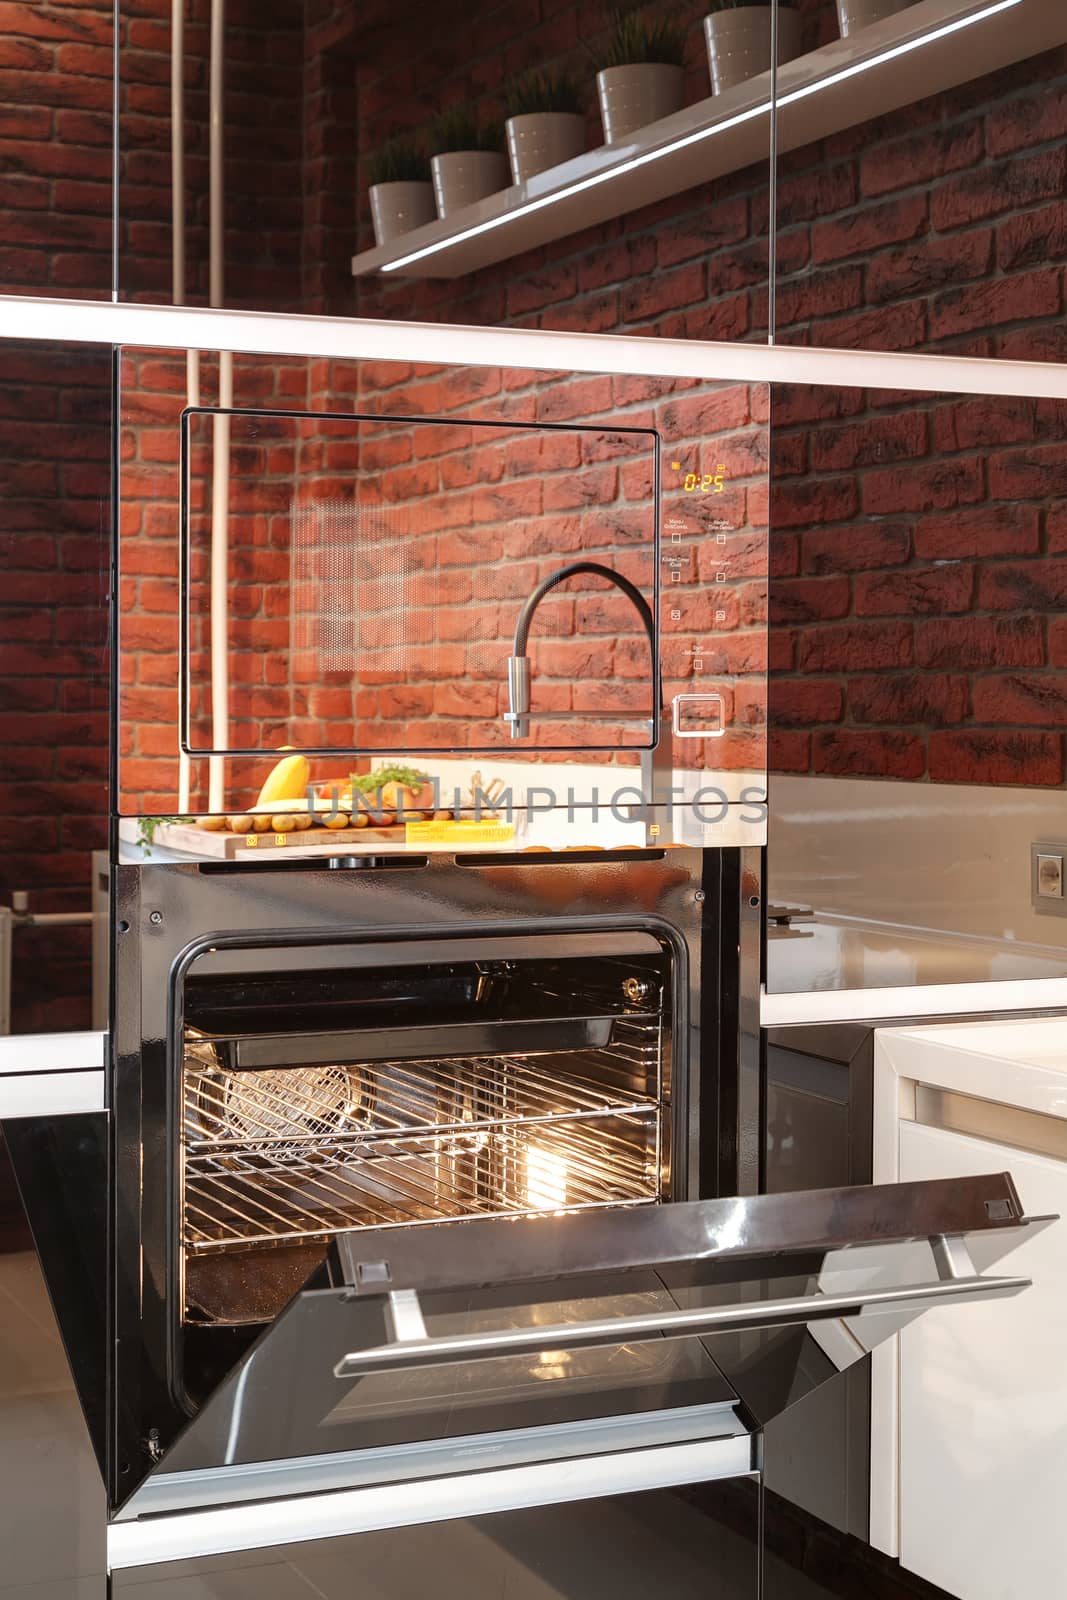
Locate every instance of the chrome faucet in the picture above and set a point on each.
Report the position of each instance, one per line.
(518, 716)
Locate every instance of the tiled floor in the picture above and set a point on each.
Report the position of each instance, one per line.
(51, 1497)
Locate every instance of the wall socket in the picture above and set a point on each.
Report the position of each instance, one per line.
(1048, 891)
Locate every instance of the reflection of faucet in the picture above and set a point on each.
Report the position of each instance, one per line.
(519, 662)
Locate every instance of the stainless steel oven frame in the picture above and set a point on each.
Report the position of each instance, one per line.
(169, 916)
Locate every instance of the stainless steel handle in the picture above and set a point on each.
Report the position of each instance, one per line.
(433, 1352)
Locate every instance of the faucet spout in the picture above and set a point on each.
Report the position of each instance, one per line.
(518, 713)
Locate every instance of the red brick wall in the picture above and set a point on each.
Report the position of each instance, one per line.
(938, 227)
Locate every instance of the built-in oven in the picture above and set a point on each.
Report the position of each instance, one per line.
(434, 1102)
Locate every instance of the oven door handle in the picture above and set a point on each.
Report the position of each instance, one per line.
(411, 1346)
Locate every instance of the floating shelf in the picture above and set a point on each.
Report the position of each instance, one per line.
(930, 46)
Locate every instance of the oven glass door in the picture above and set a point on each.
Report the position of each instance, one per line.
(470, 1340)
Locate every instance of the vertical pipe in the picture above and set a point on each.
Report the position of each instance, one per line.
(177, 235)
(220, 486)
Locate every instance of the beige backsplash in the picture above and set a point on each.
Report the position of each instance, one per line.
(951, 857)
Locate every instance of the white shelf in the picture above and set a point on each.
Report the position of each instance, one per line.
(930, 46)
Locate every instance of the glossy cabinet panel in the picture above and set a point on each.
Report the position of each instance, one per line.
(55, 539)
(981, 1438)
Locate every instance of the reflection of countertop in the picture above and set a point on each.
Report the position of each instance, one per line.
(825, 967)
(50, 1074)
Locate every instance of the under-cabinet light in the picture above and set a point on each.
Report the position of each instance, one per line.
(581, 184)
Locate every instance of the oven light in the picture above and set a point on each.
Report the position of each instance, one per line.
(546, 1180)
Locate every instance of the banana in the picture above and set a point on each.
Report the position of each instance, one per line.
(288, 781)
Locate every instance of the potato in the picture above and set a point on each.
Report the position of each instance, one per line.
(261, 823)
(241, 823)
(339, 821)
(211, 824)
(442, 816)
(304, 820)
(360, 819)
(284, 822)
(416, 816)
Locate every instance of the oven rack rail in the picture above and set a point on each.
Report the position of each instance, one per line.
(234, 1201)
(347, 1106)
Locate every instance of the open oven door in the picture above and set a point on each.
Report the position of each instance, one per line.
(480, 1364)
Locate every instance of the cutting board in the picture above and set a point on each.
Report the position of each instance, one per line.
(252, 846)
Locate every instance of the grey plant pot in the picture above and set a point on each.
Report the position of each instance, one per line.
(542, 139)
(739, 43)
(460, 177)
(396, 208)
(854, 15)
(631, 97)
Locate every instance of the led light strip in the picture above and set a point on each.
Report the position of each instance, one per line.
(582, 184)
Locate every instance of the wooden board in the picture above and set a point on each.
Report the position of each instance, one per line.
(251, 846)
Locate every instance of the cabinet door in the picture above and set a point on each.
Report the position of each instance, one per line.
(983, 1404)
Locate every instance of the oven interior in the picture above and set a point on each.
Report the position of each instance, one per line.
(322, 1097)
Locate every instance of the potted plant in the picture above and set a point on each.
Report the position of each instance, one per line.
(469, 162)
(545, 124)
(852, 15)
(641, 77)
(738, 34)
(401, 194)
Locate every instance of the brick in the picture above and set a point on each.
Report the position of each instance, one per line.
(821, 294)
(969, 643)
(662, 291)
(869, 229)
(931, 265)
(897, 327)
(855, 547)
(801, 504)
(943, 484)
(1030, 119)
(925, 699)
(899, 437)
(1021, 698)
(937, 591)
(846, 752)
(989, 757)
(1033, 238)
(801, 600)
(789, 751)
(989, 530)
(701, 233)
(1036, 473)
(810, 194)
(804, 702)
(1024, 296)
(921, 158)
(997, 188)
(856, 646)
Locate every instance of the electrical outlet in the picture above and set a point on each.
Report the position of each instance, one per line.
(1047, 888)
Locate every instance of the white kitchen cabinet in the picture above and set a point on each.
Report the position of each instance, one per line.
(969, 1430)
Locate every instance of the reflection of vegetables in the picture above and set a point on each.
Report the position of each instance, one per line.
(371, 782)
(287, 781)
